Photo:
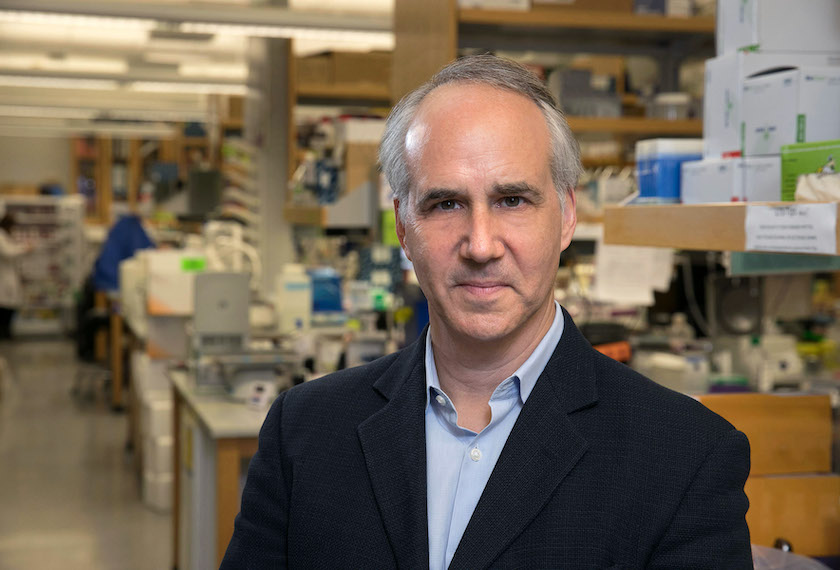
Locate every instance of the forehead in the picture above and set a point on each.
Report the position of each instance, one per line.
(476, 125)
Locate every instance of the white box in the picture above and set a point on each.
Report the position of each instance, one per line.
(170, 281)
(711, 180)
(778, 25)
(156, 419)
(157, 491)
(167, 338)
(724, 85)
(158, 455)
(797, 105)
(762, 178)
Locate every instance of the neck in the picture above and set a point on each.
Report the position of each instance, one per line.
(469, 370)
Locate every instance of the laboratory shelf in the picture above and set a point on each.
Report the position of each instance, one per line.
(707, 227)
(636, 126)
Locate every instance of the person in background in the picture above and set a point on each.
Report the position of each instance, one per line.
(11, 291)
(501, 438)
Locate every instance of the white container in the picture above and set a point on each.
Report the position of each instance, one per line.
(157, 491)
(711, 180)
(778, 25)
(658, 167)
(725, 77)
(798, 105)
(294, 299)
(156, 419)
(762, 178)
(671, 106)
(158, 455)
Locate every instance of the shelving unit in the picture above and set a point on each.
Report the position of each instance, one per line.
(712, 227)
(428, 35)
(52, 274)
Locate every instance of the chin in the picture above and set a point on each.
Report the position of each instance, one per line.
(484, 328)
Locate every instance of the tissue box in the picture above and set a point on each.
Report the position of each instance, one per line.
(786, 107)
(806, 158)
(711, 180)
(761, 178)
(778, 25)
(725, 77)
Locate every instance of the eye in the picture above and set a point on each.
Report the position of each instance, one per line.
(447, 205)
(512, 201)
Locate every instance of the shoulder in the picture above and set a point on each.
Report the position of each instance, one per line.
(652, 412)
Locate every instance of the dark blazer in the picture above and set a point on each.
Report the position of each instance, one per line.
(603, 469)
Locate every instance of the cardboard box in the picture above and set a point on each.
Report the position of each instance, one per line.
(711, 180)
(802, 509)
(725, 76)
(789, 434)
(806, 158)
(170, 281)
(345, 68)
(362, 67)
(761, 178)
(317, 69)
(786, 107)
(778, 25)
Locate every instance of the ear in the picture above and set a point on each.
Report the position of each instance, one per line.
(400, 228)
(569, 219)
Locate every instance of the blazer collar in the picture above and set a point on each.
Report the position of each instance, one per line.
(542, 449)
(393, 442)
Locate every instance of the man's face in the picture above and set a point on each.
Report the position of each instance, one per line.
(484, 227)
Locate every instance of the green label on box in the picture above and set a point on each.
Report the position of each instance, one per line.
(193, 264)
(800, 159)
(800, 128)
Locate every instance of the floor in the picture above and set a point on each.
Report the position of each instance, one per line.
(69, 497)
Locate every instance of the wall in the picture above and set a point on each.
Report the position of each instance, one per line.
(34, 160)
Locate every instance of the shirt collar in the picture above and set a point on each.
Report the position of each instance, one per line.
(527, 374)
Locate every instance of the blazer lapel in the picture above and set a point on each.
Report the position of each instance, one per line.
(394, 445)
(541, 450)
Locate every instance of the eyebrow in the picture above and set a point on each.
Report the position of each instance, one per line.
(434, 195)
(520, 189)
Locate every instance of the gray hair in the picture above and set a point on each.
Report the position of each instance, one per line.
(496, 72)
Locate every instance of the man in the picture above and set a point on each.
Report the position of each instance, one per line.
(501, 438)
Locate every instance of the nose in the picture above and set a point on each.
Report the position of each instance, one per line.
(483, 242)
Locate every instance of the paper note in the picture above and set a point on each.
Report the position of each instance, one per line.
(799, 228)
(629, 275)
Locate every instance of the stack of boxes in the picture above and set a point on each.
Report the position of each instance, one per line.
(793, 494)
(169, 284)
(774, 82)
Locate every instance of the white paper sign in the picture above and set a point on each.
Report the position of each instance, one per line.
(797, 228)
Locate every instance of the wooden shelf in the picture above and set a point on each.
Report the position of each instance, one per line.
(371, 92)
(705, 227)
(636, 126)
(586, 19)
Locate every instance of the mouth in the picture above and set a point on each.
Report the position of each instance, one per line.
(481, 289)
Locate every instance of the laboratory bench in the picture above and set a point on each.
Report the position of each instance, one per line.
(215, 438)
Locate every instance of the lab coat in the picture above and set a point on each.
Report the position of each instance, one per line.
(11, 291)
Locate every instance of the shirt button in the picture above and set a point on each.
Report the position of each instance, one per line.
(475, 454)
(440, 400)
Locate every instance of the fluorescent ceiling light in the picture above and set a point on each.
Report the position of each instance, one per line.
(384, 40)
(200, 88)
(51, 112)
(214, 70)
(57, 82)
(57, 19)
(41, 62)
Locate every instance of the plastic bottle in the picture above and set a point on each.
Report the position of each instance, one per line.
(294, 299)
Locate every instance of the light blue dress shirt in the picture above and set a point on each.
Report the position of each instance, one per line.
(459, 461)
